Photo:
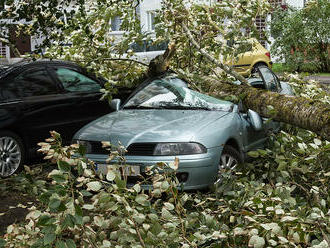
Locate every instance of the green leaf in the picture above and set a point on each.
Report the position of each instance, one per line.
(49, 238)
(137, 188)
(44, 198)
(45, 220)
(256, 241)
(88, 206)
(288, 218)
(120, 183)
(111, 175)
(78, 210)
(60, 244)
(54, 203)
(79, 219)
(82, 150)
(70, 243)
(86, 193)
(142, 199)
(94, 186)
(2, 243)
(59, 178)
(253, 154)
(69, 221)
(50, 229)
(64, 166)
(169, 206)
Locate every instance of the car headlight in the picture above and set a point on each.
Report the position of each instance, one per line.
(84, 143)
(173, 149)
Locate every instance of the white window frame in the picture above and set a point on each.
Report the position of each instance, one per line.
(151, 20)
(117, 28)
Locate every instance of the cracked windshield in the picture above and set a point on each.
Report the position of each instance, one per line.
(171, 93)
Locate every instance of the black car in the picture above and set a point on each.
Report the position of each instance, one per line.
(40, 96)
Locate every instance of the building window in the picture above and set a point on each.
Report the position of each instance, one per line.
(151, 20)
(116, 23)
(3, 51)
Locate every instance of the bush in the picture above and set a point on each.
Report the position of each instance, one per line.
(302, 36)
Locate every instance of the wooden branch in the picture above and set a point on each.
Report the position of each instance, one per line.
(116, 59)
(224, 67)
(126, 59)
(161, 63)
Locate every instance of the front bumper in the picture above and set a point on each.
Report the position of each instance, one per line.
(202, 169)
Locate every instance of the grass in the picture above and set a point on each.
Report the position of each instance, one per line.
(282, 67)
(324, 74)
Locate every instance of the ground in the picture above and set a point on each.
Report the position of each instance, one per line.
(13, 209)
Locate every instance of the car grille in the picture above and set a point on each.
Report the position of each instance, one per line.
(135, 149)
(141, 149)
(97, 148)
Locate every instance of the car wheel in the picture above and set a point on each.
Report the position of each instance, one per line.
(255, 67)
(229, 160)
(11, 153)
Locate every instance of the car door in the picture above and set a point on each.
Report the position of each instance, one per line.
(271, 83)
(10, 104)
(84, 93)
(42, 105)
(252, 139)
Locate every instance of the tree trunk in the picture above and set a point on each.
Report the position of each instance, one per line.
(297, 111)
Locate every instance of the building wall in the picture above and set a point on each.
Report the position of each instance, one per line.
(295, 3)
(145, 7)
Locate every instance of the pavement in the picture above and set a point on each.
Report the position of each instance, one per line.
(321, 79)
(324, 80)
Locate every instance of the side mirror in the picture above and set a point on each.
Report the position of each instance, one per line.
(115, 104)
(241, 107)
(255, 120)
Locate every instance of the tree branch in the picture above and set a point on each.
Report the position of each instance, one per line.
(226, 68)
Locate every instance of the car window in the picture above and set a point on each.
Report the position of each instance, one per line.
(269, 78)
(244, 46)
(8, 91)
(168, 93)
(74, 81)
(138, 47)
(34, 82)
(151, 46)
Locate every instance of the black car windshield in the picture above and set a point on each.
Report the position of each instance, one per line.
(169, 93)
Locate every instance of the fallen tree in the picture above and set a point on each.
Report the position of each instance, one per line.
(298, 111)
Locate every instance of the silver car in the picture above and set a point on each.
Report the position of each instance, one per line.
(164, 119)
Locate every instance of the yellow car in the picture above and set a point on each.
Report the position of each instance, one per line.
(247, 62)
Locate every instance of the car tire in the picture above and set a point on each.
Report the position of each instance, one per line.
(230, 158)
(255, 67)
(12, 153)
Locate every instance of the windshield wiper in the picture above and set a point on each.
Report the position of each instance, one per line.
(185, 107)
(141, 107)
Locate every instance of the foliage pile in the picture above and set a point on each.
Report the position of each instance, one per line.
(280, 199)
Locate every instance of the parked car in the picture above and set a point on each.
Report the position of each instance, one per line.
(255, 56)
(146, 50)
(41, 96)
(244, 63)
(164, 119)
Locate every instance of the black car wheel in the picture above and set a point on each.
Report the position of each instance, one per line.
(11, 153)
(229, 160)
(255, 67)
